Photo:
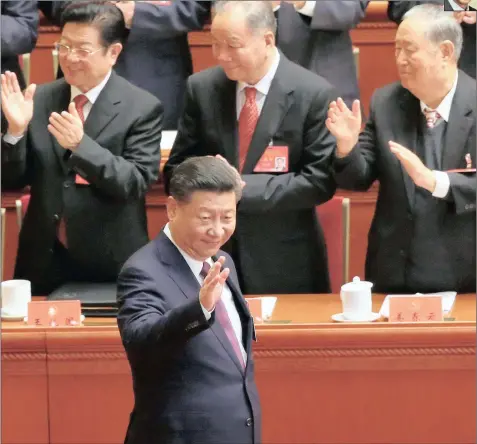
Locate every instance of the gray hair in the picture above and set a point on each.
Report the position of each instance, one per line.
(440, 25)
(204, 174)
(258, 14)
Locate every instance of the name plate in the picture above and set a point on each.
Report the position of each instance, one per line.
(415, 309)
(54, 313)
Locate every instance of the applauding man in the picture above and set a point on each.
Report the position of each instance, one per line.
(89, 147)
(419, 143)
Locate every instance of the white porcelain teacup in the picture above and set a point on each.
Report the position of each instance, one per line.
(356, 300)
(15, 296)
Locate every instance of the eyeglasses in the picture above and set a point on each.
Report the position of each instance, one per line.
(82, 54)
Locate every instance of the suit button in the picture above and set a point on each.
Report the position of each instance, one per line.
(402, 253)
(66, 185)
(409, 216)
(249, 422)
(51, 250)
(56, 217)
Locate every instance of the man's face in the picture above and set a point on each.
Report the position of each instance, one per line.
(81, 70)
(419, 62)
(202, 225)
(241, 53)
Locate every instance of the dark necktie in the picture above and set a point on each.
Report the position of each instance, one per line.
(224, 320)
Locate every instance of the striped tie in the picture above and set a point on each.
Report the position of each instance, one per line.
(432, 116)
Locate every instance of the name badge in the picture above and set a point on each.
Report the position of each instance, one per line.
(273, 160)
(80, 181)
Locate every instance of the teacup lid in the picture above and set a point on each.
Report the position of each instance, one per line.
(357, 285)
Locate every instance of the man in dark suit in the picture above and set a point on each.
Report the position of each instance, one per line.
(420, 144)
(88, 181)
(184, 323)
(467, 19)
(19, 31)
(316, 35)
(254, 107)
(457, 5)
(156, 54)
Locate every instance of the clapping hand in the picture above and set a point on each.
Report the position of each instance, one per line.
(344, 124)
(17, 106)
(67, 128)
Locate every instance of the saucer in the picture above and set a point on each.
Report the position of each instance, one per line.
(15, 317)
(338, 317)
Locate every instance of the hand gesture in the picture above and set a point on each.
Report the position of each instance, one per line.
(16, 105)
(344, 124)
(67, 128)
(421, 175)
(211, 290)
(470, 17)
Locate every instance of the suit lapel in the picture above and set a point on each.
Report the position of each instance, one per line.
(407, 127)
(60, 100)
(277, 103)
(226, 117)
(182, 275)
(104, 109)
(458, 127)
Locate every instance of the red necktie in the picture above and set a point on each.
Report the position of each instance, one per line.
(247, 122)
(80, 101)
(224, 320)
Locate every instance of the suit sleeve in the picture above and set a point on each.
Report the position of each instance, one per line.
(338, 15)
(396, 10)
(19, 27)
(313, 184)
(15, 164)
(358, 170)
(144, 319)
(462, 192)
(187, 142)
(127, 176)
(167, 21)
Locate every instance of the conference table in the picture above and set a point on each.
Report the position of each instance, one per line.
(319, 381)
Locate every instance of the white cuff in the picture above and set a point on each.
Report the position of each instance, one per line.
(207, 313)
(276, 8)
(442, 184)
(11, 139)
(308, 8)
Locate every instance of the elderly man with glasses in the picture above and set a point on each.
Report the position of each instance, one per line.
(89, 147)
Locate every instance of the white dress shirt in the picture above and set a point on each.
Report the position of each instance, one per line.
(456, 7)
(227, 298)
(92, 96)
(308, 8)
(262, 87)
(444, 108)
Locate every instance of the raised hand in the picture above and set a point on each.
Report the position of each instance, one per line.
(211, 290)
(67, 128)
(16, 105)
(344, 124)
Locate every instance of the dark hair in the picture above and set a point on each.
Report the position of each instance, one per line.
(104, 16)
(204, 174)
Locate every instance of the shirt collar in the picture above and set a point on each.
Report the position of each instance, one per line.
(263, 85)
(444, 107)
(455, 6)
(194, 264)
(93, 93)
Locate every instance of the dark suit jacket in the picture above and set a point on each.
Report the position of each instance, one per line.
(156, 54)
(397, 9)
(395, 114)
(189, 386)
(119, 156)
(322, 43)
(19, 33)
(277, 229)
